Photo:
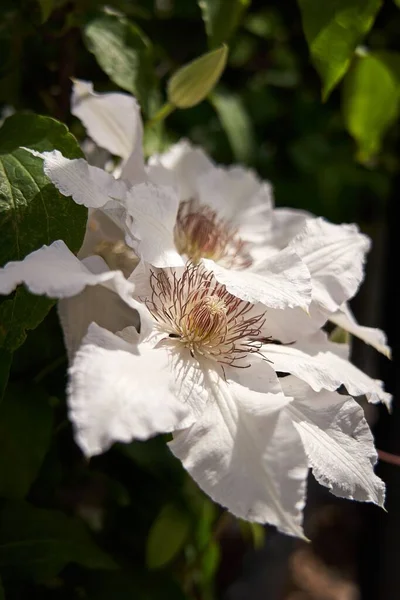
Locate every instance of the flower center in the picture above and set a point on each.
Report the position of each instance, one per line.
(199, 313)
(200, 234)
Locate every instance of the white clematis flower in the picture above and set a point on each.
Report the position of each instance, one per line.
(246, 443)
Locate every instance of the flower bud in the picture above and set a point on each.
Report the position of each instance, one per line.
(193, 82)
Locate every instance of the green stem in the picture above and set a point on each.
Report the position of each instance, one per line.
(162, 114)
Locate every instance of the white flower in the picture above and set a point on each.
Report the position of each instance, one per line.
(224, 216)
(247, 442)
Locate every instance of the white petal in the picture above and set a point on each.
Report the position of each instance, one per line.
(187, 162)
(294, 323)
(322, 368)
(244, 452)
(286, 224)
(254, 221)
(337, 440)
(87, 185)
(54, 271)
(94, 304)
(231, 191)
(118, 393)
(335, 257)
(282, 282)
(152, 211)
(370, 335)
(112, 120)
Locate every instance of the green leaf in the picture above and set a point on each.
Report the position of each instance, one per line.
(333, 30)
(370, 103)
(37, 543)
(25, 432)
(46, 8)
(221, 18)
(32, 212)
(124, 53)
(167, 536)
(194, 81)
(237, 125)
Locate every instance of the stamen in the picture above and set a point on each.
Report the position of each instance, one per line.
(200, 234)
(201, 314)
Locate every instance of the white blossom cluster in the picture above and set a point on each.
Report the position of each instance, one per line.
(196, 308)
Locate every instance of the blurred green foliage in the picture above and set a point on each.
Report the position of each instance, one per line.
(129, 524)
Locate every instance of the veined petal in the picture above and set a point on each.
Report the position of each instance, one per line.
(187, 162)
(151, 216)
(114, 395)
(231, 191)
(286, 224)
(244, 452)
(282, 282)
(376, 338)
(112, 120)
(337, 440)
(87, 185)
(322, 368)
(335, 256)
(54, 271)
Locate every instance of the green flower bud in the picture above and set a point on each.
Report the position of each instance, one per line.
(193, 82)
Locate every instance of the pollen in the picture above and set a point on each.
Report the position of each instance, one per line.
(199, 233)
(196, 311)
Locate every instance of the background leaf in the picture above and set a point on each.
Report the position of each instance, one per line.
(236, 123)
(37, 543)
(221, 18)
(333, 30)
(32, 212)
(370, 103)
(124, 53)
(25, 432)
(167, 536)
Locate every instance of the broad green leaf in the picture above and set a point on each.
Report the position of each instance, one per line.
(236, 123)
(32, 212)
(221, 18)
(25, 430)
(37, 543)
(194, 81)
(370, 103)
(333, 30)
(167, 536)
(124, 53)
(46, 8)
